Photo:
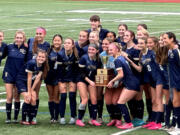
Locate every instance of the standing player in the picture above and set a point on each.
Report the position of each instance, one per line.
(169, 39)
(130, 82)
(68, 69)
(52, 78)
(2, 46)
(34, 44)
(121, 29)
(27, 79)
(16, 57)
(88, 65)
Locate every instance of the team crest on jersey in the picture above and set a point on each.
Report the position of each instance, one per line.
(144, 62)
(53, 58)
(23, 51)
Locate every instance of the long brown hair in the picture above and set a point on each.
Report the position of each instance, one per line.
(35, 46)
(45, 64)
(75, 51)
(141, 53)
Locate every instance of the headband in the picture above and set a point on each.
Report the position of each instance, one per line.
(41, 30)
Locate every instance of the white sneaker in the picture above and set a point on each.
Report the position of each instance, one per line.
(62, 121)
(176, 131)
(72, 120)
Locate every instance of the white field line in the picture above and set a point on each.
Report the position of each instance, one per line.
(123, 12)
(32, 28)
(2, 93)
(164, 31)
(126, 131)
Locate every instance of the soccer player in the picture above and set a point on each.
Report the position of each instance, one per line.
(27, 80)
(111, 35)
(52, 78)
(130, 83)
(96, 26)
(34, 44)
(112, 94)
(16, 57)
(88, 65)
(169, 39)
(68, 69)
(82, 43)
(2, 46)
(121, 29)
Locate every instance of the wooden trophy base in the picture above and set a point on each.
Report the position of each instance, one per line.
(104, 76)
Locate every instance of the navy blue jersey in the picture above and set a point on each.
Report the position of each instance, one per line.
(164, 75)
(174, 68)
(2, 51)
(21, 81)
(81, 51)
(67, 67)
(89, 66)
(133, 54)
(30, 66)
(102, 34)
(52, 76)
(45, 46)
(16, 57)
(152, 68)
(129, 80)
(123, 44)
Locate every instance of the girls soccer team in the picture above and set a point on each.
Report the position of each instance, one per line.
(140, 63)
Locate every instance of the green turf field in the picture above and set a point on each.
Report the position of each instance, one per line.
(68, 18)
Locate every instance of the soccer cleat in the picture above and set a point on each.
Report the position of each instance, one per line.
(8, 121)
(156, 126)
(139, 122)
(95, 123)
(126, 126)
(111, 123)
(24, 123)
(34, 121)
(51, 121)
(72, 120)
(80, 123)
(176, 131)
(100, 120)
(148, 125)
(15, 121)
(118, 123)
(62, 121)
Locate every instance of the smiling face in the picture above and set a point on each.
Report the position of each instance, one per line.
(40, 35)
(141, 44)
(150, 43)
(19, 39)
(93, 37)
(94, 24)
(57, 41)
(127, 37)
(167, 41)
(68, 45)
(113, 50)
(111, 36)
(83, 37)
(121, 30)
(105, 44)
(41, 57)
(92, 52)
(161, 42)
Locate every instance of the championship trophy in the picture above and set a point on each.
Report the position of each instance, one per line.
(104, 75)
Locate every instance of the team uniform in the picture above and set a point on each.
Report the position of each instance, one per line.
(2, 49)
(21, 83)
(68, 70)
(45, 46)
(81, 50)
(16, 57)
(130, 82)
(88, 68)
(174, 73)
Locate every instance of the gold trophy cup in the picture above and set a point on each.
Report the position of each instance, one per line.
(104, 75)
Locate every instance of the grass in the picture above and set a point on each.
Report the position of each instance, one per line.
(56, 17)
